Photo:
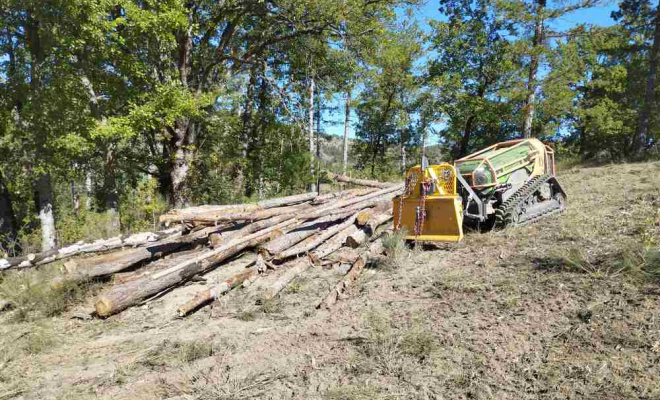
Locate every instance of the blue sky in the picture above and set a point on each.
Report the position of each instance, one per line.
(597, 16)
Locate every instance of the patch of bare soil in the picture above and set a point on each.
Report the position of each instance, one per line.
(566, 308)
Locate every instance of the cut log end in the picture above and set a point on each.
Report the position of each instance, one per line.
(103, 307)
(199, 300)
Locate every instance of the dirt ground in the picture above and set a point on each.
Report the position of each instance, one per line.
(565, 309)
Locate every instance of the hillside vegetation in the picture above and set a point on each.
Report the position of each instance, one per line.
(566, 308)
(114, 112)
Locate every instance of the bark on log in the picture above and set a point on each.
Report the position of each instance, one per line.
(355, 240)
(112, 263)
(188, 214)
(359, 182)
(343, 194)
(208, 295)
(98, 246)
(359, 261)
(225, 248)
(154, 267)
(352, 275)
(283, 201)
(299, 266)
(205, 296)
(357, 202)
(332, 245)
(298, 234)
(227, 216)
(302, 264)
(358, 238)
(314, 241)
(379, 208)
(123, 296)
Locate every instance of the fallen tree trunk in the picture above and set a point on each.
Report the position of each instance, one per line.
(299, 266)
(299, 234)
(314, 241)
(123, 296)
(156, 266)
(343, 194)
(283, 201)
(352, 275)
(359, 182)
(186, 214)
(332, 245)
(383, 206)
(302, 264)
(248, 216)
(98, 246)
(359, 261)
(112, 263)
(359, 237)
(206, 296)
(357, 202)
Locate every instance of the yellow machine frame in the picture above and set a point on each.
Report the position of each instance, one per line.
(430, 208)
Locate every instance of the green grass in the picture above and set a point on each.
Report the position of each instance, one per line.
(396, 249)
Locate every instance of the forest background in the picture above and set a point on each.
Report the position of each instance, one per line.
(114, 111)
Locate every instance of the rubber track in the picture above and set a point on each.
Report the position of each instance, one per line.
(504, 213)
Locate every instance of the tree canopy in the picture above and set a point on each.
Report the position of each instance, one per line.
(119, 109)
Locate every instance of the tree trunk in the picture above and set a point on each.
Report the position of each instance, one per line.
(318, 141)
(352, 275)
(46, 214)
(465, 142)
(299, 266)
(358, 238)
(347, 121)
(539, 33)
(180, 159)
(112, 263)
(89, 190)
(110, 190)
(44, 195)
(643, 126)
(402, 150)
(312, 148)
(247, 132)
(357, 203)
(7, 219)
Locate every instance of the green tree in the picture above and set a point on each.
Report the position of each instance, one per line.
(472, 74)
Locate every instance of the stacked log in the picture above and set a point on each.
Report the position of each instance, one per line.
(98, 246)
(292, 234)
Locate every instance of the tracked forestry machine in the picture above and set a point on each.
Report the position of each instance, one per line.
(508, 184)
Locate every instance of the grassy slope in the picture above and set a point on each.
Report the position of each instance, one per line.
(566, 308)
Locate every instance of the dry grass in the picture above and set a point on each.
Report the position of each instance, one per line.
(174, 353)
(33, 296)
(566, 308)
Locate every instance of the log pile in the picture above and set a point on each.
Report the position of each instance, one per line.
(291, 234)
